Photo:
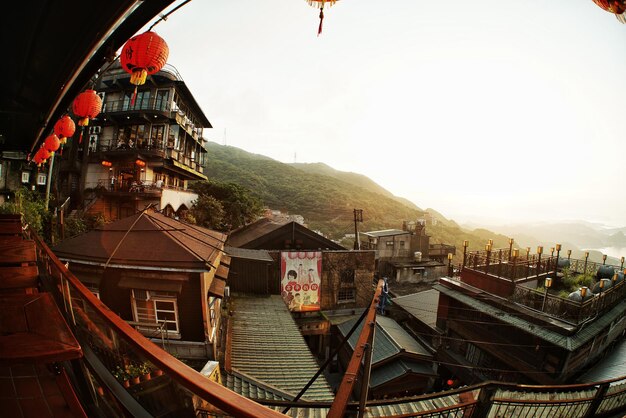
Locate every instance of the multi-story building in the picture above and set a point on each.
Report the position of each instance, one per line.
(500, 322)
(406, 254)
(139, 152)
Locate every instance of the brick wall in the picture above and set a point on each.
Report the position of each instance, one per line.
(334, 265)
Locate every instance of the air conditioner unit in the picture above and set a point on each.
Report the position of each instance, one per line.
(226, 291)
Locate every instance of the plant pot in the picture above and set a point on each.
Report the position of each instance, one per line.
(100, 391)
(146, 377)
(126, 383)
(157, 372)
(134, 380)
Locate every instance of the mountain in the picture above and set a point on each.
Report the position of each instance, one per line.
(326, 197)
(353, 178)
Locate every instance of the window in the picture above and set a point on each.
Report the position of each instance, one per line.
(162, 100)
(347, 276)
(156, 307)
(156, 137)
(346, 295)
(25, 176)
(401, 244)
(389, 243)
(41, 179)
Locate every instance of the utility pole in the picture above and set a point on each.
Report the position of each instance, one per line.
(358, 217)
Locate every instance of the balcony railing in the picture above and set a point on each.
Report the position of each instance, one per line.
(117, 353)
(568, 310)
(148, 104)
(114, 351)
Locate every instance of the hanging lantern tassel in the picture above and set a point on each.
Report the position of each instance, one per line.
(319, 30)
(80, 138)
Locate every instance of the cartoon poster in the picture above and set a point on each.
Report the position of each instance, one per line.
(301, 273)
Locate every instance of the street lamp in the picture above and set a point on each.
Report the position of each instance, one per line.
(539, 252)
(603, 259)
(465, 245)
(488, 250)
(556, 266)
(511, 241)
(622, 266)
(548, 284)
(527, 261)
(569, 254)
(586, 258)
(450, 272)
(515, 255)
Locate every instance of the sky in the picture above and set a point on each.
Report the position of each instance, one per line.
(487, 111)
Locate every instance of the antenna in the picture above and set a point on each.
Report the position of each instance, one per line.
(294, 157)
(224, 136)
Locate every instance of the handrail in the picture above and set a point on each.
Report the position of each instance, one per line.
(225, 399)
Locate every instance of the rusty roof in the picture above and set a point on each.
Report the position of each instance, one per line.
(149, 240)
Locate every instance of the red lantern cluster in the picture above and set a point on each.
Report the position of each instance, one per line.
(107, 163)
(617, 7)
(143, 55)
(87, 106)
(140, 163)
(64, 128)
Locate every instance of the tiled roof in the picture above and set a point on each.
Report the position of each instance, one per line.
(267, 345)
(398, 368)
(154, 240)
(612, 366)
(250, 232)
(390, 339)
(422, 305)
(253, 389)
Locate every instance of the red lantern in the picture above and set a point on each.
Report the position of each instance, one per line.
(320, 4)
(87, 106)
(64, 128)
(142, 55)
(617, 7)
(51, 143)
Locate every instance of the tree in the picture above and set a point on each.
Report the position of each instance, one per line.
(207, 211)
(238, 205)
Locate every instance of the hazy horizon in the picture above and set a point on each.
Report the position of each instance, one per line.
(487, 113)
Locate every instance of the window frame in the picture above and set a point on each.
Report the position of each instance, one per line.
(154, 297)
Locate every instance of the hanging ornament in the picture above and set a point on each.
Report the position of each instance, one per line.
(617, 7)
(143, 55)
(320, 4)
(86, 106)
(52, 143)
(64, 128)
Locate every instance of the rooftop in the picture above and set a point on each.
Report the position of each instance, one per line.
(267, 346)
(385, 233)
(149, 240)
(390, 339)
(422, 305)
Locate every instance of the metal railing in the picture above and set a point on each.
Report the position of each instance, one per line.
(113, 348)
(125, 352)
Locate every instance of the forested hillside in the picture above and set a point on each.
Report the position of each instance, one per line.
(326, 197)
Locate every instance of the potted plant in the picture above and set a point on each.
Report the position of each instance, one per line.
(134, 372)
(122, 376)
(144, 370)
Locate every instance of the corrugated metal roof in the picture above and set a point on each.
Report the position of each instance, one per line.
(422, 305)
(385, 233)
(259, 255)
(267, 345)
(610, 367)
(390, 339)
(569, 343)
(398, 368)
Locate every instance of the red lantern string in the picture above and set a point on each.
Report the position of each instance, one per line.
(319, 30)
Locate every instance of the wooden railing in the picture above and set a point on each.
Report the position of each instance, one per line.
(110, 341)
